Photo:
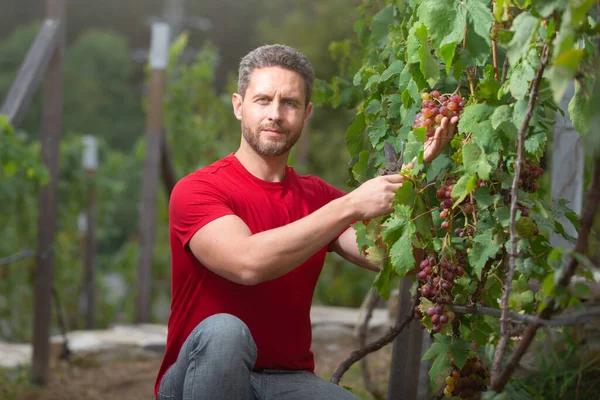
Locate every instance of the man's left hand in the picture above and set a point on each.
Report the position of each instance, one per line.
(443, 134)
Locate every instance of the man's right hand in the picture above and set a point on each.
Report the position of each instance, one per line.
(374, 197)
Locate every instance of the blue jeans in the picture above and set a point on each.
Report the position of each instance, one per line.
(216, 362)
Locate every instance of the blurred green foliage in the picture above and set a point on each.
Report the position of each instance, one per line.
(105, 96)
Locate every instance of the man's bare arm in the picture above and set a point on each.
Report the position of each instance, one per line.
(227, 247)
(345, 246)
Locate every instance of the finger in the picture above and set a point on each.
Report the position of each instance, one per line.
(394, 178)
(444, 123)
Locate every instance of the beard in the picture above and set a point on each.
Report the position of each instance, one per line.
(270, 146)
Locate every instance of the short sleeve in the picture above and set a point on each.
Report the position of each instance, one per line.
(332, 192)
(194, 203)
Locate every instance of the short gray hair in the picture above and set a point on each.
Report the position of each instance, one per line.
(276, 55)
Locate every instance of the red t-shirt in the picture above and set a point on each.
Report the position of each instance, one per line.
(277, 312)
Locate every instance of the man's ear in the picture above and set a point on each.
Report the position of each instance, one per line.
(309, 109)
(236, 101)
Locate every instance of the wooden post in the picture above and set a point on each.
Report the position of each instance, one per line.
(567, 167)
(167, 170)
(31, 72)
(174, 14)
(406, 353)
(158, 64)
(90, 165)
(50, 134)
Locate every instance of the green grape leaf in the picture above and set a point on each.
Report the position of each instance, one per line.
(502, 119)
(439, 164)
(502, 214)
(547, 7)
(475, 161)
(563, 70)
(405, 196)
(395, 225)
(485, 246)
(413, 43)
(358, 77)
(355, 133)
(520, 77)
(395, 102)
(360, 170)
(381, 21)
(445, 20)
(447, 54)
(463, 187)
(577, 107)
(374, 107)
(472, 116)
(440, 345)
(484, 198)
(377, 131)
(536, 143)
(439, 351)
(460, 350)
(524, 26)
(382, 282)
(373, 81)
(488, 86)
(414, 144)
(423, 223)
(427, 64)
(519, 112)
(401, 253)
(362, 239)
(394, 69)
(376, 255)
(578, 10)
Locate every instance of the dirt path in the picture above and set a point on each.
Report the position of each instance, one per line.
(133, 378)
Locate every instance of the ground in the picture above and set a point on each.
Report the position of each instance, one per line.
(132, 377)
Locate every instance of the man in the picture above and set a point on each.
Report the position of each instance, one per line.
(248, 240)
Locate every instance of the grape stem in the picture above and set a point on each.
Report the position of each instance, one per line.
(426, 187)
(474, 211)
(422, 214)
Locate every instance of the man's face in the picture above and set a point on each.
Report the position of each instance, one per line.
(273, 110)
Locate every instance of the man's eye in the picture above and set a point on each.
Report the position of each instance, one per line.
(262, 100)
(290, 104)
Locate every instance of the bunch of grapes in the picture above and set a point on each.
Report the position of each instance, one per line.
(444, 195)
(437, 281)
(469, 381)
(435, 107)
(530, 173)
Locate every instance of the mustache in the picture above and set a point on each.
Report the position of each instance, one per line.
(271, 127)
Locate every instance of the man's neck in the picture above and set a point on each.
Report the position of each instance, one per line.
(267, 168)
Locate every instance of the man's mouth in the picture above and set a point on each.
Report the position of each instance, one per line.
(273, 131)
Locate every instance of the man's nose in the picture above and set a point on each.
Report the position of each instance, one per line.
(274, 111)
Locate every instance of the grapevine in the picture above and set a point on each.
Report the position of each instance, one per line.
(479, 211)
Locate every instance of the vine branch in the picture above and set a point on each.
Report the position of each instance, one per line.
(499, 354)
(376, 345)
(504, 70)
(560, 320)
(585, 223)
(362, 340)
